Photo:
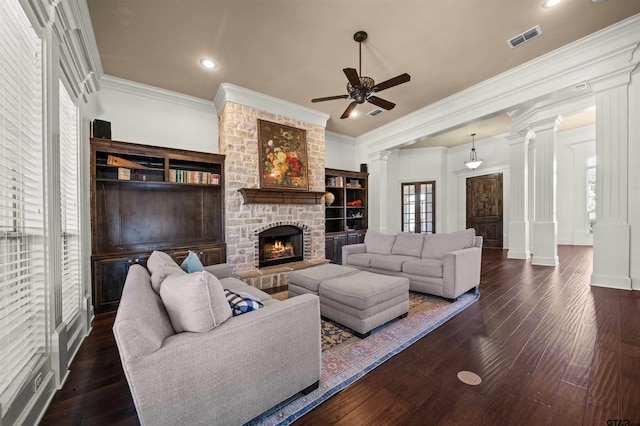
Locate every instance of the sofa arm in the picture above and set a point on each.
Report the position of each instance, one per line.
(222, 270)
(461, 271)
(352, 249)
(234, 372)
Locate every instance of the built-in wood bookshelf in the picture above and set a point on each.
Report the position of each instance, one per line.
(346, 218)
(146, 198)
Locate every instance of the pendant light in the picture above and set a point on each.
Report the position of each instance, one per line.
(473, 162)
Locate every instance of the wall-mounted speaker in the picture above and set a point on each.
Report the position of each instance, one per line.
(101, 129)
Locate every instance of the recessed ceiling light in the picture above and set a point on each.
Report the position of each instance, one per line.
(551, 3)
(207, 63)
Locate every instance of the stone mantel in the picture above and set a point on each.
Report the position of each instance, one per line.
(280, 196)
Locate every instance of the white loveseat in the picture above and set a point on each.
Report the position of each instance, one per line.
(445, 265)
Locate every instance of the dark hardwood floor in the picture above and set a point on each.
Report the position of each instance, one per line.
(550, 349)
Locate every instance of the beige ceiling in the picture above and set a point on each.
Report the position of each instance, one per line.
(295, 50)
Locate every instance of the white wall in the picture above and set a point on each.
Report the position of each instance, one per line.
(495, 155)
(340, 152)
(414, 165)
(152, 116)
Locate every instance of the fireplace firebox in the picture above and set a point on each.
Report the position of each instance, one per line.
(280, 244)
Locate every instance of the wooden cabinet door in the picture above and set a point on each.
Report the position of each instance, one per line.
(109, 275)
(484, 208)
(333, 247)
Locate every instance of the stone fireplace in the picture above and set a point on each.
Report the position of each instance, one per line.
(248, 222)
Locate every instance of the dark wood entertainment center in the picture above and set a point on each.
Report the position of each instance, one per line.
(146, 198)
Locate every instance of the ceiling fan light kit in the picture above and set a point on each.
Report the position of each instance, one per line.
(361, 88)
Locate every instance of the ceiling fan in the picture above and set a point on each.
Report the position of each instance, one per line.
(361, 88)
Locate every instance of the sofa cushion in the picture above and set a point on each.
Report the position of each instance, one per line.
(437, 245)
(242, 302)
(424, 267)
(376, 242)
(408, 244)
(195, 302)
(192, 263)
(362, 260)
(392, 262)
(161, 265)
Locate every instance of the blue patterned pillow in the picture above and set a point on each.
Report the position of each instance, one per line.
(241, 303)
(192, 263)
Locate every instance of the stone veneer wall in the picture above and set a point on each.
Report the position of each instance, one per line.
(238, 141)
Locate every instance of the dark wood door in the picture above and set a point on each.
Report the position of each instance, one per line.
(484, 208)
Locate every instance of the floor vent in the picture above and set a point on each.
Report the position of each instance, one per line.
(524, 37)
(375, 112)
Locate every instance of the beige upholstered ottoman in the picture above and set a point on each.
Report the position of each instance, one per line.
(308, 280)
(364, 300)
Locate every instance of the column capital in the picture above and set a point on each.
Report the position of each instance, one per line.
(613, 80)
(382, 155)
(518, 137)
(550, 123)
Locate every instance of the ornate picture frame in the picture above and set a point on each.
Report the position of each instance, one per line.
(283, 156)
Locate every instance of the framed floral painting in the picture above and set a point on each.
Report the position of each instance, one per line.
(283, 156)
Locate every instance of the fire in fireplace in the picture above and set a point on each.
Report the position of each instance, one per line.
(280, 244)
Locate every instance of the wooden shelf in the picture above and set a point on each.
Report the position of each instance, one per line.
(346, 186)
(276, 196)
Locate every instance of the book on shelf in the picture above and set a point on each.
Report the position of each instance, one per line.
(336, 181)
(193, 176)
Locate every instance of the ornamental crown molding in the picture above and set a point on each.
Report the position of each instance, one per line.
(590, 58)
(154, 93)
(228, 92)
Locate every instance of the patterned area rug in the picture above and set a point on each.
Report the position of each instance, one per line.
(346, 358)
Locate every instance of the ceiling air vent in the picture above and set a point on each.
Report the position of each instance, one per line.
(524, 37)
(375, 112)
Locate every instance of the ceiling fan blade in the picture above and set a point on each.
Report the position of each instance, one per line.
(352, 76)
(380, 102)
(347, 112)
(402, 78)
(330, 98)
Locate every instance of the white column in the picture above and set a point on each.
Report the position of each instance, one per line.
(611, 241)
(545, 227)
(519, 195)
(378, 204)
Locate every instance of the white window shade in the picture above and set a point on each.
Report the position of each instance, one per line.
(22, 279)
(70, 229)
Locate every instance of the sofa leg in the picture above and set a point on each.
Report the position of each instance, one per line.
(309, 389)
(403, 315)
(448, 299)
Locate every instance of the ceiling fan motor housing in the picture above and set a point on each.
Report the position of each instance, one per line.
(361, 93)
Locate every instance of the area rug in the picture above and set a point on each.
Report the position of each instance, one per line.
(346, 358)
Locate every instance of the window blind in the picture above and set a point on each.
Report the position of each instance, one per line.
(22, 279)
(70, 237)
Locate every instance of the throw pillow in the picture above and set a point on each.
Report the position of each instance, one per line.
(408, 244)
(195, 302)
(437, 245)
(376, 242)
(161, 265)
(242, 302)
(192, 263)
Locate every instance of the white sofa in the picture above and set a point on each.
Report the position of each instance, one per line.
(233, 369)
(445, 265)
